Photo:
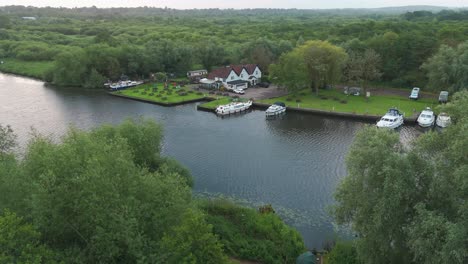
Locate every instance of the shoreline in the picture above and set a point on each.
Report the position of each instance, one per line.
(257, 105)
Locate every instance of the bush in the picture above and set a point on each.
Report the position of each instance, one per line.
(289, 99)
(164, 98)
(248, 234)
(323, 97)
(335, 98)
(151, 94)
(218, 93)
(183, 94)
(135, 91)
(298, 100)
(211, 92)
(191, 91)
(344, 101)
(143, 93)
(199, 93)
(158, 95)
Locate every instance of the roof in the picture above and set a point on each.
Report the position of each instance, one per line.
(224, 72)
(197, 71)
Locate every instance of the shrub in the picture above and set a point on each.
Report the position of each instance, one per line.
(183, 94)
(344, 101)
(218, 93)
(199, 93)
(158, 95)
(336, 98)
(211, 92)
(302, 94)
(164, 98)
(248, 234)
(323, 97)
(135, 91)
(151, 94)
(289, 99)
(191, 91)
(143, 93)
(298, 100)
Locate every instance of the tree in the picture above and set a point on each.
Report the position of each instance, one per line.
(21, 242)
(210, 54)
(192, 242)
(343, 253)
(7, 139)
(323, 61)
(409, 204)
(290, 71)
(94, 80)
(361, 68)
(70, 68)
(446, 69)
(315, 64)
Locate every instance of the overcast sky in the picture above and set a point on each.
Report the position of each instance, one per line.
(238, 4)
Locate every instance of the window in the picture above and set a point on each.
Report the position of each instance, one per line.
(232, 77)
(242, 75)
(256, 72)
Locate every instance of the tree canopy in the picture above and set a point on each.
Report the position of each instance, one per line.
(409, 205)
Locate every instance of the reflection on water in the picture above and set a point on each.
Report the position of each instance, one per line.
(293, 161)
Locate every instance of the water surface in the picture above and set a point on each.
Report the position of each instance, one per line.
(294, 162)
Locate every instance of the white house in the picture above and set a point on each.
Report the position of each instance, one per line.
(237, 76)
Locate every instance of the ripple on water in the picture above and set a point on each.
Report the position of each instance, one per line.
(293, 162)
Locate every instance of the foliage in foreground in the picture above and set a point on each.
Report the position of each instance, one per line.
(248, 234)
(409, 205)
(107, 196)
(103, 196)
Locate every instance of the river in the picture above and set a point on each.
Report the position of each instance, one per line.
(294, 162)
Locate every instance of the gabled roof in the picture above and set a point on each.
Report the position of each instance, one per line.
(225, 71)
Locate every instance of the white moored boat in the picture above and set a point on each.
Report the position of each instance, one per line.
(392, 119)
(443, 120)
(276, 109)
(426, 118)
(233, 108)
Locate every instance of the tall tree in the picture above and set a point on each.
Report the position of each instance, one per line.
(324, 62)
(361, 68)
(290, 72)
(447, 68)
(210, 54)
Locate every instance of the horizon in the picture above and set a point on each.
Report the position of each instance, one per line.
(239, 5)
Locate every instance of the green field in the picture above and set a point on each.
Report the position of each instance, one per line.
(160, 95)
(35, 69)
(339, 102)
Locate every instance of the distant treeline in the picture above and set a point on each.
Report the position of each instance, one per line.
(88, 45)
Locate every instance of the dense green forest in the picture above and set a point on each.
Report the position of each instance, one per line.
(108, 196)
(84, 46)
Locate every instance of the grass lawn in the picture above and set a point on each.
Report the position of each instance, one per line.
(213, 104)
(160, 95)
(35, 69)
(377, 105)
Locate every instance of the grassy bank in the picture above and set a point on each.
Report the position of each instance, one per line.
(160, 95)
(248, 234)
(332, 100)
(215, 103)
(35, 69)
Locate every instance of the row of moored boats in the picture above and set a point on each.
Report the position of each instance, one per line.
(237, 107)
(394, 119)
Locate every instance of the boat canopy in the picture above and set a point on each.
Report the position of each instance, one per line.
(280, 104)
(394, 112)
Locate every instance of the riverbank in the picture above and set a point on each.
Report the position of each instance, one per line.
(334, 102)
(32, 69)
